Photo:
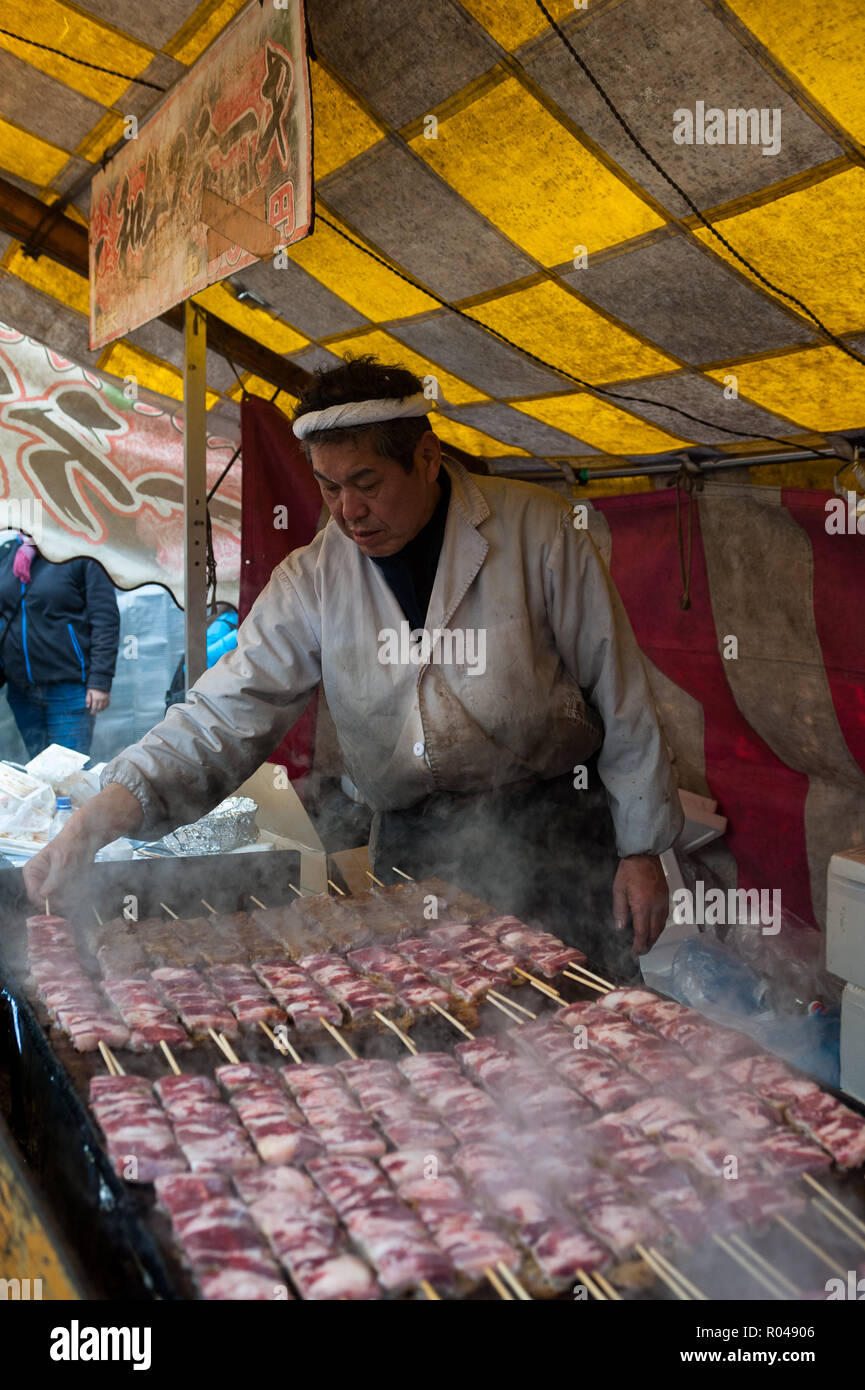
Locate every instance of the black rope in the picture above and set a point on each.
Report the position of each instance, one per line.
(589, 385)
(688, 480)
(82, 62)
(236, 372)
(225, 470)
(210, 567)
(776, 289)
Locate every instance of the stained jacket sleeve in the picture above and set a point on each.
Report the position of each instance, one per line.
(233, 718)
(104, 620)
(597, 645)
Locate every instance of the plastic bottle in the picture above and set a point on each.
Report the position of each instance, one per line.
(62, 813)
(705, 974)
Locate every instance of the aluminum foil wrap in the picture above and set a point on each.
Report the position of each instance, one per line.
(228, 826)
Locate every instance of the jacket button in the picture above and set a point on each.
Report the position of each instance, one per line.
(418, 750)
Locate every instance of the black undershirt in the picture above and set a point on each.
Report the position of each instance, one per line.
(411, 572)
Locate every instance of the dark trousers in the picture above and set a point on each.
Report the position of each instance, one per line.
(546, 853)
(52, 713)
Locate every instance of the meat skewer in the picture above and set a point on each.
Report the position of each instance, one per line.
(206, 1129)
(358, 995)
(383, 1227)
(303, 1233)
(199, 1007)
(302, 998)
(74, 1002)
(333, 1114)
(273, 1122)
(219, 1239)
(140, 1005)
(238, 986)
(140, 1142)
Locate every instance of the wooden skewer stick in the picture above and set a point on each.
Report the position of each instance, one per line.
(677, 1274)
(257, 901)
(374, 879)
(584, 970)
(220, 1042)
(513, 1282)
(98, 918)
(769, 1268)
(401, 874)
(587, 984)
(746, 1264)
(539, 984)
(503, 1292)
(168, 910)
(502, 1008)
(810, 1244)
(612, 1294)
(403, 1037)
(658, 1269)
(849, 1231)
(278, 1044)
(295, 890)
(47, 908)
(229, 1051)
(511, 1004)
(429, 1291)
(592, 1287)
(337, 1036)
(336, 888)
(209, 908)
(827, 1196)
(450, 1018)
(169, 1055)
(108, 1058)
(284, 1047)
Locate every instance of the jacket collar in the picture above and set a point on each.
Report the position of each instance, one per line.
(464, 549)
(465, 493)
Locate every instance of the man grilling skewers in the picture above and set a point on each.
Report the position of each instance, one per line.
(488, 694)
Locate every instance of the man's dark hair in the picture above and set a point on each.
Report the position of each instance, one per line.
(366, 379)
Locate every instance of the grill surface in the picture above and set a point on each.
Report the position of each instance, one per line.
(119, 1238)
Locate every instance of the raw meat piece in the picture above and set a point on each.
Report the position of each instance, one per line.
(238, 986)
(199, 1007)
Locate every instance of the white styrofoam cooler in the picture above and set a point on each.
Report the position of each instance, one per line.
(853, 1041)
(845, 916)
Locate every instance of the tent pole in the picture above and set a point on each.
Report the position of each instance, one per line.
(195, 490)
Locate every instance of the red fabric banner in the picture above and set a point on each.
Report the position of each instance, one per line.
(762, 797)
(276, 475)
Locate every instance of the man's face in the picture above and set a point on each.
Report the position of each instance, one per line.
(373, 500)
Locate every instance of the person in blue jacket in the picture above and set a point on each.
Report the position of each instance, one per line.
(221, 637)
(59, 632)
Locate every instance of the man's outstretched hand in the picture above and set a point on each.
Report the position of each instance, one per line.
(641, 897)
(54, 872)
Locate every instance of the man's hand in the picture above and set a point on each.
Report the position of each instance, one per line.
(53, 872)
(640, 896)
(97, 700)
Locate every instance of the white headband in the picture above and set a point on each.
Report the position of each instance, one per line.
(340, 417)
